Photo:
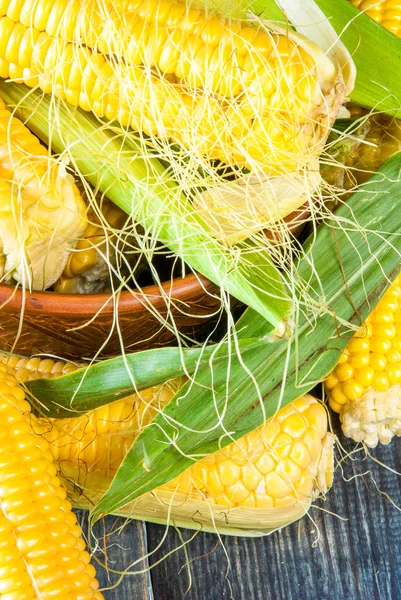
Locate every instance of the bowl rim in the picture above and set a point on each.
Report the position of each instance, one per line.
(180, 289)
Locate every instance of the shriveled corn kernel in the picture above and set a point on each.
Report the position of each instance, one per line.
(358, 387)
(37, 526)
(101, 56)
(42, 214)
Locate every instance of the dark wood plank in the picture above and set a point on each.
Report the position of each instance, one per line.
(322, 557)
(124, 543)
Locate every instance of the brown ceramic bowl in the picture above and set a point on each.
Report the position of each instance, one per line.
(81, 326)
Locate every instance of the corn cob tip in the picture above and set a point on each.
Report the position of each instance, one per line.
(42, 214)
(374, 418)
(365, 386)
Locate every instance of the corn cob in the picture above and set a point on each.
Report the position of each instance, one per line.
(86, 271)
(276, 465)
(24, 369)
(266, 480)
(286, 461)
(365, 386)
(173, 67)
(42, 554)
(385, 12)
(41, 211)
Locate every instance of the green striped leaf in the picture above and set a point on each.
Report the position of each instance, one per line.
(115, 378)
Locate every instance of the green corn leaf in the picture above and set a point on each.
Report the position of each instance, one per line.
(346, 267)
(115, 378)
(113, 161)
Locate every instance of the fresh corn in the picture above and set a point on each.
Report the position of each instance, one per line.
(164, 67)
(42, 214)
(99, 439)
(42, 554)
(86, 270)
(385, 12)
(365, 386)
(287, 461)
(276, 465)
(29, 369)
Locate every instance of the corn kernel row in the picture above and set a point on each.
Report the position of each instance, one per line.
(42, 553)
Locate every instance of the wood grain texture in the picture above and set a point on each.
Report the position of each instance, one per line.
(352, 556)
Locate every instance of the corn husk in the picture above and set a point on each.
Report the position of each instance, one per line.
(347, 266)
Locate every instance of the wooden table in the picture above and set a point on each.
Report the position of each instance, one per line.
(349, 548)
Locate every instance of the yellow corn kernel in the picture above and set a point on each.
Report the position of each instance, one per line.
(38, 529)
(24, 369)
(240, 475)
(87, 258)
(369, 373)
(274, 473)
(100, 56)
(42, 214)
(100, 438)
(385, 12)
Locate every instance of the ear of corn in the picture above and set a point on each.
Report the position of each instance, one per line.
(285, 463)
(42, 214)
(152, 198)
(42, 554)
(265, 480)
(365, 386)
(174, 66)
